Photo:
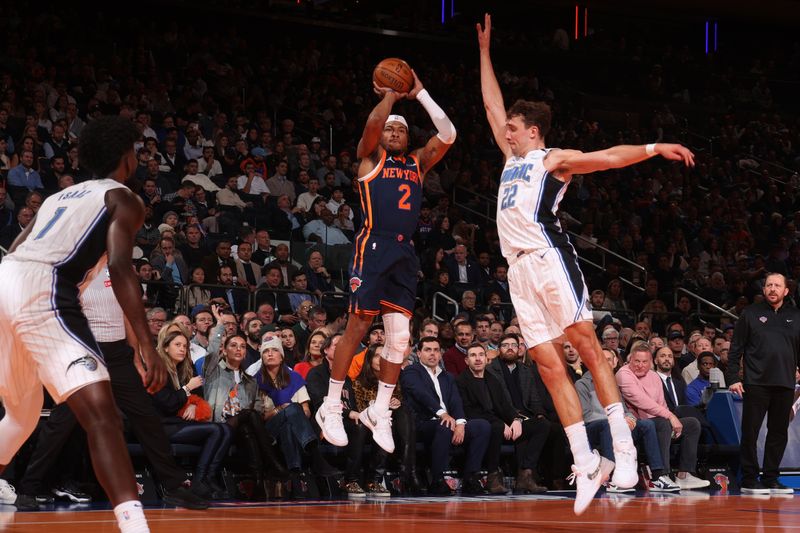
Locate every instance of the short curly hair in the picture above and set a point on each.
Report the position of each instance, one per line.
(532, 114)
(104, 142)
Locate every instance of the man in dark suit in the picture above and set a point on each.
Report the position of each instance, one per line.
(499, 283)
(174, 162)
(278, 300)
(484, 398)
(235, 296)
(221, 257)
(516, 381)
(463, 269)
(284, 263)
(673, 384)
(433, 396)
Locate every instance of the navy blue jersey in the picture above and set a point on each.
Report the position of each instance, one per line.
(391, 196)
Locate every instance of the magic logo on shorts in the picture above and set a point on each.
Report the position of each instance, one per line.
(87, 361)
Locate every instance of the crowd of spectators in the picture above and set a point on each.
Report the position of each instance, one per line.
(248, 176)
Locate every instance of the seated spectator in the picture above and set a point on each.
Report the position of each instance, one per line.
(463, 269)
(196, 176)
(517, 385)
(279, 184)
(323, 231)
(270, 293)
(188, 417)
(299, 283)
(252, 184)
(284, 405)
(9, 233)
(575, 368)
(706, 362)
(292, 354)
(234, 296)
(643, 393)
(311, 319)
(246, 270)
(433, 396)
(483, 399)
(344, 221)
(285, 220)
(376, 335)
(615, 296)
(313, 355)
(232, 395)
(282, 261)
(643, 432)
(194, 250)
(454, 361)
(357, 433)
(319, 279)
(307, 199)
(263, 251)
(209, 166)
(24, 176)
(692, 370)
(365, 388)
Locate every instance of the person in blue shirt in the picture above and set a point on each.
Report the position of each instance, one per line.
(24, 175)
(694, 390)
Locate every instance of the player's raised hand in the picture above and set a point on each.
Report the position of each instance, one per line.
(412, 94)
(675, 152)
(485, 33)
(383, 92)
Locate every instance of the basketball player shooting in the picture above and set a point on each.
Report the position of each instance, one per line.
(45, 337)
(384, 266)
(546, 285)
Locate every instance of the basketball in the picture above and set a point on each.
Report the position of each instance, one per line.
(395, 74)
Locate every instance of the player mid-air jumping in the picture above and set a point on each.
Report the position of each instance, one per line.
(383, 273)
(546, 285)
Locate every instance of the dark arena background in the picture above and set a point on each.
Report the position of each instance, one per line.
(250, 116)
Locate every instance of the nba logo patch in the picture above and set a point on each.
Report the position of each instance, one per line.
(763, 319)
(355, 283)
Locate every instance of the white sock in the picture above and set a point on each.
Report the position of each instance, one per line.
(579, 444)
(620, 431)
(130, 517)
(335, 389)
(385, 391)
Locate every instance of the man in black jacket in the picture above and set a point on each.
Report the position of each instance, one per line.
(517, 384)
(767, 335)
(484, 398)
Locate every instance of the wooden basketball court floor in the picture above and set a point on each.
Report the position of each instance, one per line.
(690, 511)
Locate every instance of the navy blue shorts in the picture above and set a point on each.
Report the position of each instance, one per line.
(383, 273)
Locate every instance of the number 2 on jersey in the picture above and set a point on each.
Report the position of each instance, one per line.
(508, 197)
(52, 222)
(403, 202)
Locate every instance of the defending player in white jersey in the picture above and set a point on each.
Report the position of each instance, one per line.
(546, 285)
(45, 338)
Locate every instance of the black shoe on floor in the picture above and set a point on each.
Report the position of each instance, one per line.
(183, 497)
(754, 487)
(71, 493)
(473, 487)
(776, 487)
(44, 499)
(439, 487)
(26, 502)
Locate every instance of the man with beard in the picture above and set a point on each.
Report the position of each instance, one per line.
(252, 331)
(516, 382)
(767, 336)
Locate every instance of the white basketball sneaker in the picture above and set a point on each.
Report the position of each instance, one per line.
(329, 418)
(625, 472)
(381, 426)
(588, 482)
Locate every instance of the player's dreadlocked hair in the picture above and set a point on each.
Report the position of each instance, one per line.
(532, 114)
(103, 143)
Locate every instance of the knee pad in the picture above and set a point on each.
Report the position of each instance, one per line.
(397, 336)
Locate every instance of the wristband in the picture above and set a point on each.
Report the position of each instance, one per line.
(650, 149)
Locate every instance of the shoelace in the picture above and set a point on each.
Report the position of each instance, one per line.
(573, 477)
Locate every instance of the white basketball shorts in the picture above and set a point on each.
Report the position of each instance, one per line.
(44, 337)
(548, 293)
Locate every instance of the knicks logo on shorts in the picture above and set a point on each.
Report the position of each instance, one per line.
(87, 361)
(355, 283)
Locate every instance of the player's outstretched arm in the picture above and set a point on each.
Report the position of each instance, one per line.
(373, 129)
(126, 215)
(439, 144)
(565, 163)
(490, 89)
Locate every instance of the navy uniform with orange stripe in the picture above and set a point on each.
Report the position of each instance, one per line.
(383, 272)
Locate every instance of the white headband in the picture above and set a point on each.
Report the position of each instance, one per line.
(397, 118)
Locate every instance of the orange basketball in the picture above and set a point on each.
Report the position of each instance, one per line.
(395, 74)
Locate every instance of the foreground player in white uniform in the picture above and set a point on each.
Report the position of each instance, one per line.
(546, 285)
(44, 336)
